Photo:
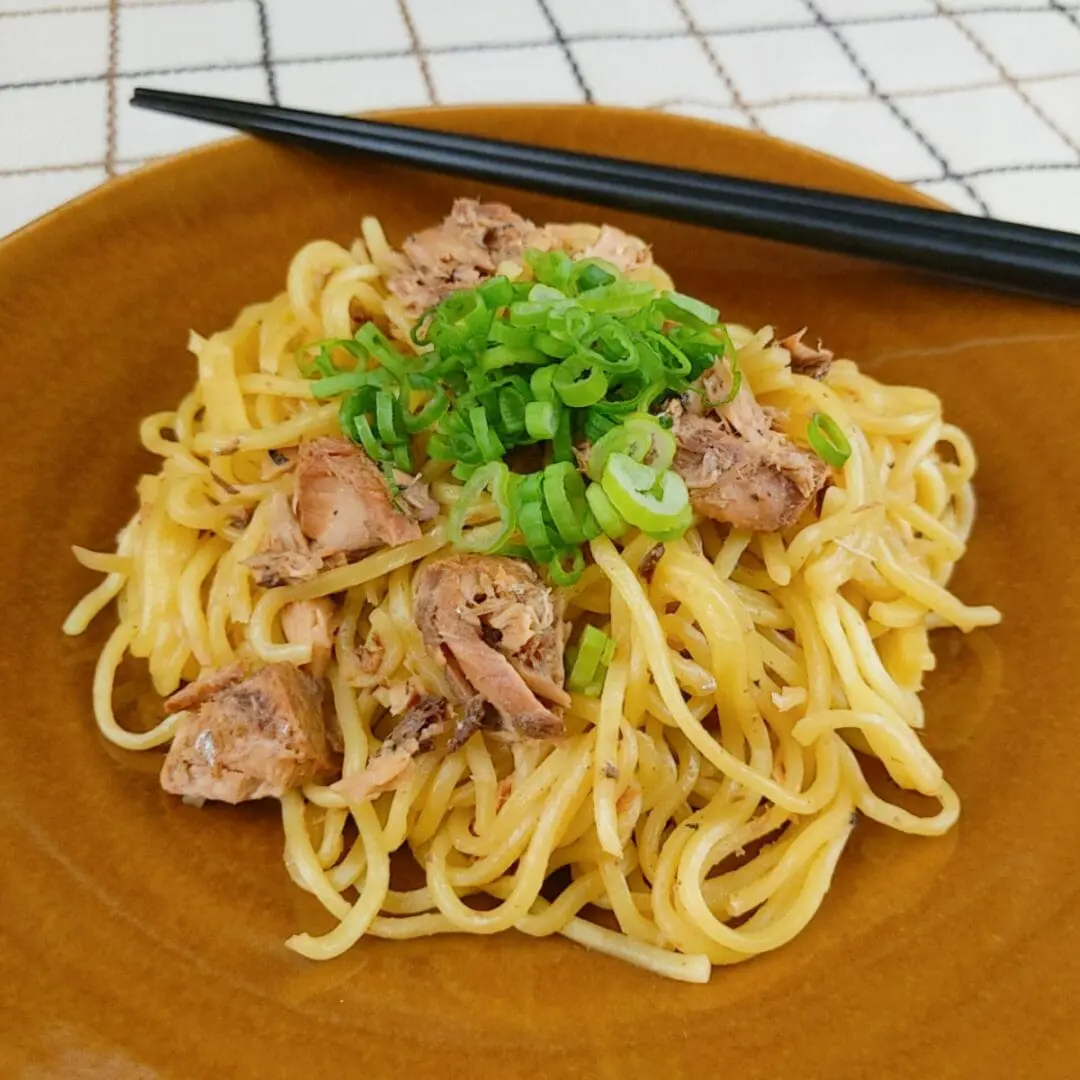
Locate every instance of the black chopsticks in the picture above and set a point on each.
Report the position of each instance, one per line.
(1023, 258)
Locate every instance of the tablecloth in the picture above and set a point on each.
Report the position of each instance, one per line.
(974, 101)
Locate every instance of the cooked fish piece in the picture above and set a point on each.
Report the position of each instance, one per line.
(739, 468)
(391, 764)
(498, 630)
(285, 557)
(806, 360)
(311, 622)
(344, 503)
(252, 738)
(460, 252)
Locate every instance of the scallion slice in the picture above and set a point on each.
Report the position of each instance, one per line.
(657, 503)
(580, 381)
(495, 479)
(828, 440)
(678, 306)
(564, 493)
(608, 518)
(562, 442)
(542, 419)
(591, 648)
(540, 383)
(530, 519)
(551, 267)
(563, 575)
(499, 356)
(513, 400)
(487, 442)
(496, 292)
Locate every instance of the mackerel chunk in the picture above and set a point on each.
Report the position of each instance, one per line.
(248, 738)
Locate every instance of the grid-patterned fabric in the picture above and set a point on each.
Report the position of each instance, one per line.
(974, 101)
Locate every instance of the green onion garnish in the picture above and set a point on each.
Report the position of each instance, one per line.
(487, 442)
(657, 503)
(530, 520)
(579, 382)
(827, 440)
(542, 419)
(579, 352)
(677, 304)
(594, 652)
(608, 518)
(564, 493)
(494, 478)
(641, 437)
(563, 575)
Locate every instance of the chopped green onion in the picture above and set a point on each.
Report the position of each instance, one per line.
(460, 323)
(591, 274)
(564, 576)
(389, 475)
(487, 442)
(623, 296)
(438, 447)
(540, 293)
(323, 364)
(618, 353)
(494, 478)
(526, 313)
(542, 419)
(677, 306)
(332, 385)
(564, 493)
(562, 442)
(608, 518)
(568, 322)
(504, 355)
(530, 520)
(578, 351)
(503, 333)
(660, 443)
(540, 384)
(597, 424)
(463, 447)
(550, 267)
(657, 503)
(385, 420)
(641, 437)
(552, 346)
(418, 333)
(651, 363)
(609, 652)
(592, 645)
(733, 356)
(372, 447)
(403, 457)
(828, 440)
(370, 340)
(512, 403)
(351, 407)
(579, 381)
(675, 361)
(431, 412)
(496, 292)
(514, 551)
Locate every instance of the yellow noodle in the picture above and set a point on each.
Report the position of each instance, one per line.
(744, 673)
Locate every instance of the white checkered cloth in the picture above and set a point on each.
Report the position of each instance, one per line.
(974, 101)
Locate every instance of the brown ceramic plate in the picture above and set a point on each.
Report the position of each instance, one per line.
(139, 938)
